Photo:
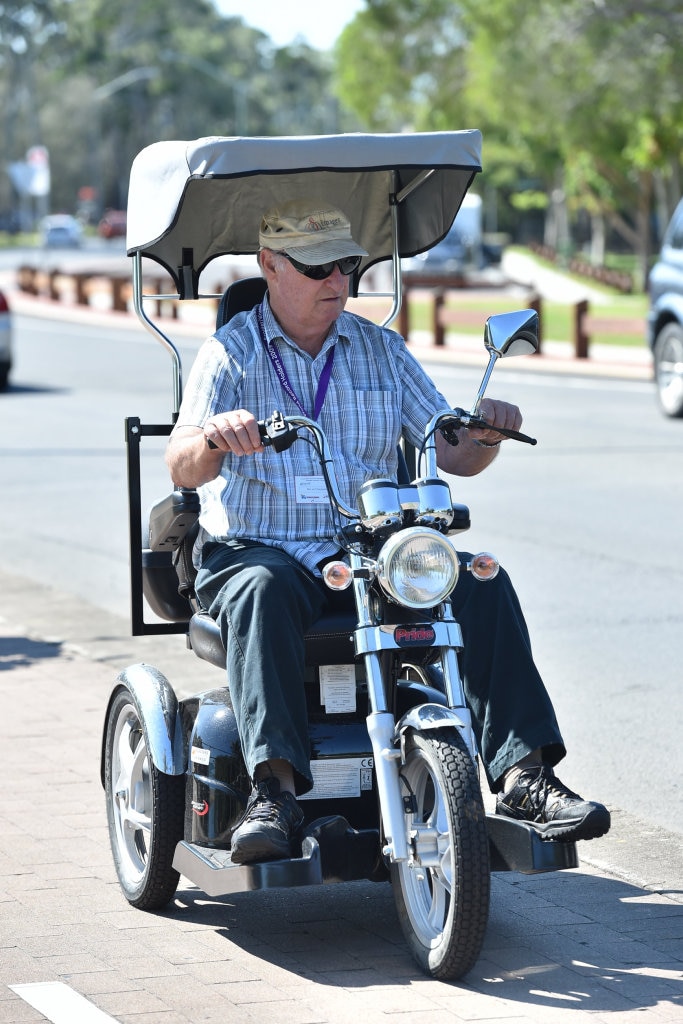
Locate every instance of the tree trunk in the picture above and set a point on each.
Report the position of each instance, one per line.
(597, 256)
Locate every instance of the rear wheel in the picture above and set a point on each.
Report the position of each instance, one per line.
(145, 810)
(442, 893)
(668, 355)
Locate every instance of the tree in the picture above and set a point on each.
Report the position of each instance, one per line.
(580, 101)
(401, 65)
(108, 79)
(599, 94)
(26, 30)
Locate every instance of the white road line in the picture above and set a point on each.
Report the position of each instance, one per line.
(60, 1004)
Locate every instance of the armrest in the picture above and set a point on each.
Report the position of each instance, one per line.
(171, 518)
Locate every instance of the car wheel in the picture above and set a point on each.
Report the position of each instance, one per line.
(668, 354)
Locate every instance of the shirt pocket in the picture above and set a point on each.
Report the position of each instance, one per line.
(374, 426)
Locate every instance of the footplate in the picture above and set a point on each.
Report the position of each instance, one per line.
(516, 846)
(331, 851)
(214, 873)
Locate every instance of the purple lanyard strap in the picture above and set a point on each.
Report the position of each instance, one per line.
(282, 376)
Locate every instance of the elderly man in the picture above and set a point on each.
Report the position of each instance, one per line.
(266, 527)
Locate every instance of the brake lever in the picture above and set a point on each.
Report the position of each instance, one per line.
(514, 435)
(466, 419)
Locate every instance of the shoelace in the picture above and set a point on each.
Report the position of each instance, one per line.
(265, 808)
(544, 787)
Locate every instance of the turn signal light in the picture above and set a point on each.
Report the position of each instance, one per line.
(484, 566)
(338, 575)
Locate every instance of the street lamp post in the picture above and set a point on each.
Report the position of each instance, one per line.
(100, 95)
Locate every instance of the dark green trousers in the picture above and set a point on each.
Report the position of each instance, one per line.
(264, 603)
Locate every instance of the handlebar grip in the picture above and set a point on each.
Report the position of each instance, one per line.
(263, 432)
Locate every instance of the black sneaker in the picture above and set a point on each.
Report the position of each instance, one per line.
(268, 826)
(540, 799)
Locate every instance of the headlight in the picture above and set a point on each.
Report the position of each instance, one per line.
(417, 567)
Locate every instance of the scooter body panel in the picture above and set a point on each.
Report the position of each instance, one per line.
(158, 709)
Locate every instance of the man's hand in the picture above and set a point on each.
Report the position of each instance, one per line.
(498, 414)
(236, 431)
(192, 461)
(477, 448)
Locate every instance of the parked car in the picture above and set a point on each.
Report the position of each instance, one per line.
(665, 317)
(113, 224)
(5, 341)
(61, 231)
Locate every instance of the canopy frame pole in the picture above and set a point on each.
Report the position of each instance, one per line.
(395, 199)
(138, 305)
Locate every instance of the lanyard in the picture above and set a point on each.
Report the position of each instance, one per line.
(283, 377)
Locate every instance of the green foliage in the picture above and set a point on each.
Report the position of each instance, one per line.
(531, 199)
(578, 98)
(96, 81)
(395, 57)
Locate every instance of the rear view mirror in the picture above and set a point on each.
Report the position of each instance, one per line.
(507, 334)
(512, 334)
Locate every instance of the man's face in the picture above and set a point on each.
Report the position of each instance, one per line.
(303, 306)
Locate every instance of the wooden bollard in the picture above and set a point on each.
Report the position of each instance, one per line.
(581, 339)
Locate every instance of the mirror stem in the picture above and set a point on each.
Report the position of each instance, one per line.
(493, 356)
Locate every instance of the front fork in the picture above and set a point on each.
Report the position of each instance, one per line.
(386, 735)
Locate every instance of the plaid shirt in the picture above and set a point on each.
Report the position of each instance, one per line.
(377, 391)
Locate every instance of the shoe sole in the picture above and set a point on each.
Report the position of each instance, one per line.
(591, 826)
(257, 854)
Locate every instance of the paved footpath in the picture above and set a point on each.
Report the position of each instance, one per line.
(603, 943)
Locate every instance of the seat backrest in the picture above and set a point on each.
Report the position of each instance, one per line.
(239, 297)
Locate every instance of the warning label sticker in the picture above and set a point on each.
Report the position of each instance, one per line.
(339, 778)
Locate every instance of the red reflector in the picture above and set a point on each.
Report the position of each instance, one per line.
(4, 308)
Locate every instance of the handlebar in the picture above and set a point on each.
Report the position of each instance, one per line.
(280, 432)
(275, 431)
(459, 418)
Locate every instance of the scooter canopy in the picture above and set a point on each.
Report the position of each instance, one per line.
(190, 202)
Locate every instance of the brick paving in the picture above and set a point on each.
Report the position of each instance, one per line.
(582, 945)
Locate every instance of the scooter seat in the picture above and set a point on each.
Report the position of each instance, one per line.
(329, 641)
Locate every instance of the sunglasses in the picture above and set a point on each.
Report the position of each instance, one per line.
(319, 272)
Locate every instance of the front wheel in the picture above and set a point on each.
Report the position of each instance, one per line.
(668, 354)
(442, 892)
(145, 810)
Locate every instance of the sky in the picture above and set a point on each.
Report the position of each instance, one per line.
(283, 20)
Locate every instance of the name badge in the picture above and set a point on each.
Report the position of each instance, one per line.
(311, 490)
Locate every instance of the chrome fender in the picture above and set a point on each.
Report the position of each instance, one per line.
(157, 706)
(435, 716)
